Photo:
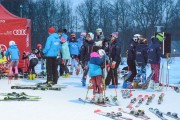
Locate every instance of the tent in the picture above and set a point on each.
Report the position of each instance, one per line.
(17, 29)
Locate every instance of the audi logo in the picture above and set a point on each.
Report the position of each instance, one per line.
(19, 32)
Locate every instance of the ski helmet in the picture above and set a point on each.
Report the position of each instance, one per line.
(91, 35)
(136, 37)
(11, 43)
(83, 33)
(160, 37)
(98, 30)
(101, 52)
(39, 45)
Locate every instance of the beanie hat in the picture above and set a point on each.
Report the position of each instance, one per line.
(51, 30)
(114, 34)
(83, 33)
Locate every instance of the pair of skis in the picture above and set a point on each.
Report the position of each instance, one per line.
(18, 97)
(112, 115)
(39, 87)
(136, 113)
(126, 93)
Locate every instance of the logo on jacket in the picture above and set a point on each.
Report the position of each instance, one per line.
(19, 32)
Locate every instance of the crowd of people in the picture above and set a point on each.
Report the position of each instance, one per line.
(96, 55)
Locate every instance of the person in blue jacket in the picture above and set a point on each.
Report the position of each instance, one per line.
(74, 52)
(52, 47)
(13, 54)
(95, 72)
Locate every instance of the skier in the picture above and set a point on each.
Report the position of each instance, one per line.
(74, 51)
(64, 39)
(99, 37)
(95, 72)
(33, 61)
(154, 54)
(65, 56)
(13, 54)
(52, 47)
(141, 61)
(115, 59)
(81, 39)
(86, 49)
(131, 61)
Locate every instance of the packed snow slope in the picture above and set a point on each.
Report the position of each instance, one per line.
(64, 104)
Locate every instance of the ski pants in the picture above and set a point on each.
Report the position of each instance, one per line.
(74, 63)
(64, 68)
(112, 75)
(33, 63)
(132, 68)
(86, 69)
(141, 74)
(51, 68)
(97, 84)
(155, 70)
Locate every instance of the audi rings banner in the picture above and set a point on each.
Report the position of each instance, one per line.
(16, 29)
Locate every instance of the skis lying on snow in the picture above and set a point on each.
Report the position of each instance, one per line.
(112, 115)
(141, 100)
(160, 99)
(114, 100)
(133, 101)
(176, 88)
(157, 113)
(172, 115)
(39, 87)
(136, 113)
(91, 102)
(150, 98)
(126, 93)
(18, 97)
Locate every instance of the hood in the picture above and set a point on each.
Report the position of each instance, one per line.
(55, 35)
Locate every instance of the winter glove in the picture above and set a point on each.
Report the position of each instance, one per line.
(113, 65)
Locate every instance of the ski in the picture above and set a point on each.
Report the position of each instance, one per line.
(141, 100)
(91, 102)
(18, 97)
(177, 89)
(133, 101)
(38, 87)
(160, 99)
(136, 113)
(114, 100)
(157, 113)
(112, 115)
(172, 115)
(150, 98)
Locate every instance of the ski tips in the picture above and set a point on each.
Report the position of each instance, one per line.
(95, 111)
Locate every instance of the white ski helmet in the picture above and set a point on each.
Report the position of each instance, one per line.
(101, 52)
(98, 30)
(91, 35)
(11, 43)
(136, 37)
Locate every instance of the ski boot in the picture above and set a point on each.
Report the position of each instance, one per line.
(101, 99)
(157, 87)
(33, 76)
(83, 83)
(106, 100)
(30, 77)
(77, 71)
(95, 98)
(16, 77)
(66, 75)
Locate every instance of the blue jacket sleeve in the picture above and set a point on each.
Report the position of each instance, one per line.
(47, 46)
(7, 53)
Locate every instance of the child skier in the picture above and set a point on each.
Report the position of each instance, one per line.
(74, 51)
(65, 54)
(115, 59)
(95, 72)
(86, 49)
(33, 61)
(154, 54)
(13, 54)
(141, 61)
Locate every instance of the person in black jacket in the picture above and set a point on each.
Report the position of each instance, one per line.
(115, 59)
(86, 49)
(141, 61)
(131, 56)
(154, 54)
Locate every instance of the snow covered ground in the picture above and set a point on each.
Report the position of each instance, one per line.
(64, 104)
